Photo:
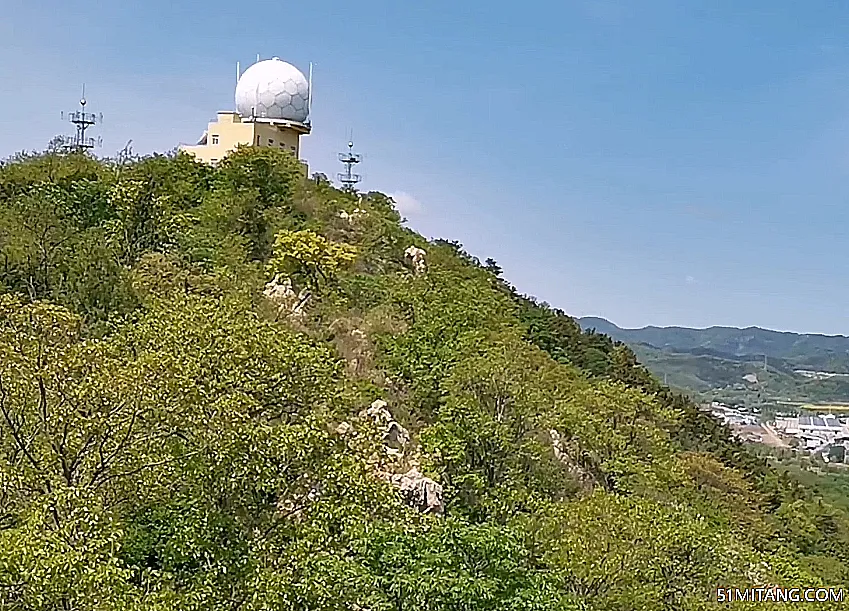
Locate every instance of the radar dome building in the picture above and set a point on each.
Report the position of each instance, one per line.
(273, 89)
(272, 109)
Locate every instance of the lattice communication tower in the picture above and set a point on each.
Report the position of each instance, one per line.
(80, 142)
(349, 159)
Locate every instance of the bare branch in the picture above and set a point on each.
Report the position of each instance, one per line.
(13, 429)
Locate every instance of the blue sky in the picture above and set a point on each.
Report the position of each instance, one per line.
(657, 162)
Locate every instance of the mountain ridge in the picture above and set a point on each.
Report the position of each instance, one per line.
(713, 361)
(585, 321)
(802, 350)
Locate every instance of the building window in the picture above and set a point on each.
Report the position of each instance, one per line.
(270, 141)
(292, 147)
(257, 140)
(213, 161)
(214, 138)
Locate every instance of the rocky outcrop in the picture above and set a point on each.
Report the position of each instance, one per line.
(420, 492)
(353, 344)
(417, 257)
(398, 468)
(343, 428)
(281, 293)
(581, 475)
(377, 411)
(394, 435)
(352, 217)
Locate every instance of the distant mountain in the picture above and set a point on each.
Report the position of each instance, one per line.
(800, 351)
(714, 361)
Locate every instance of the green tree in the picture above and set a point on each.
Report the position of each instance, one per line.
(309, 257)
(167, 443)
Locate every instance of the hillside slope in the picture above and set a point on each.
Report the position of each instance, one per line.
(239, 388)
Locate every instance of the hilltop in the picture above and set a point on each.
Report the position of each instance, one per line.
(238, 387)
(714, 360)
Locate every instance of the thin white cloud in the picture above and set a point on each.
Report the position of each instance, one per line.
(406, 204)
(690, 280)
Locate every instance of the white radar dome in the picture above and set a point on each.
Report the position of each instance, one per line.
(273, 89)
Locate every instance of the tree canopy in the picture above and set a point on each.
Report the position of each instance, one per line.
(169, 440)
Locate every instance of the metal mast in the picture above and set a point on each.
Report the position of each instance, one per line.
(309, 95)
(82, 120)
(350, 159)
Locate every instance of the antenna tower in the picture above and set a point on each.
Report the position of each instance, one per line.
(83, 120)
(309, 95)
(125, 153)
(349, 159)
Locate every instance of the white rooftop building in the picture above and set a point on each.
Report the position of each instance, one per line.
(813, 429)
(272, 110)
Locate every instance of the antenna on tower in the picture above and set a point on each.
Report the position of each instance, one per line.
(309, 94)
(350, 159)
(82, 120)
(124, 156)
(127, 151)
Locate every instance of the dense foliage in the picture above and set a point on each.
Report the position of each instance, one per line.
(174, 434)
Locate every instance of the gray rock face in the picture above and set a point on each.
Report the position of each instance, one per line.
(417, 258)
(352, 217)
(343, 428)
(419, 492)
(280, 292)
(395, 436)
(584, 479)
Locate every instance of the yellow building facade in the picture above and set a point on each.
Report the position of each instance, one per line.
(231, 130)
